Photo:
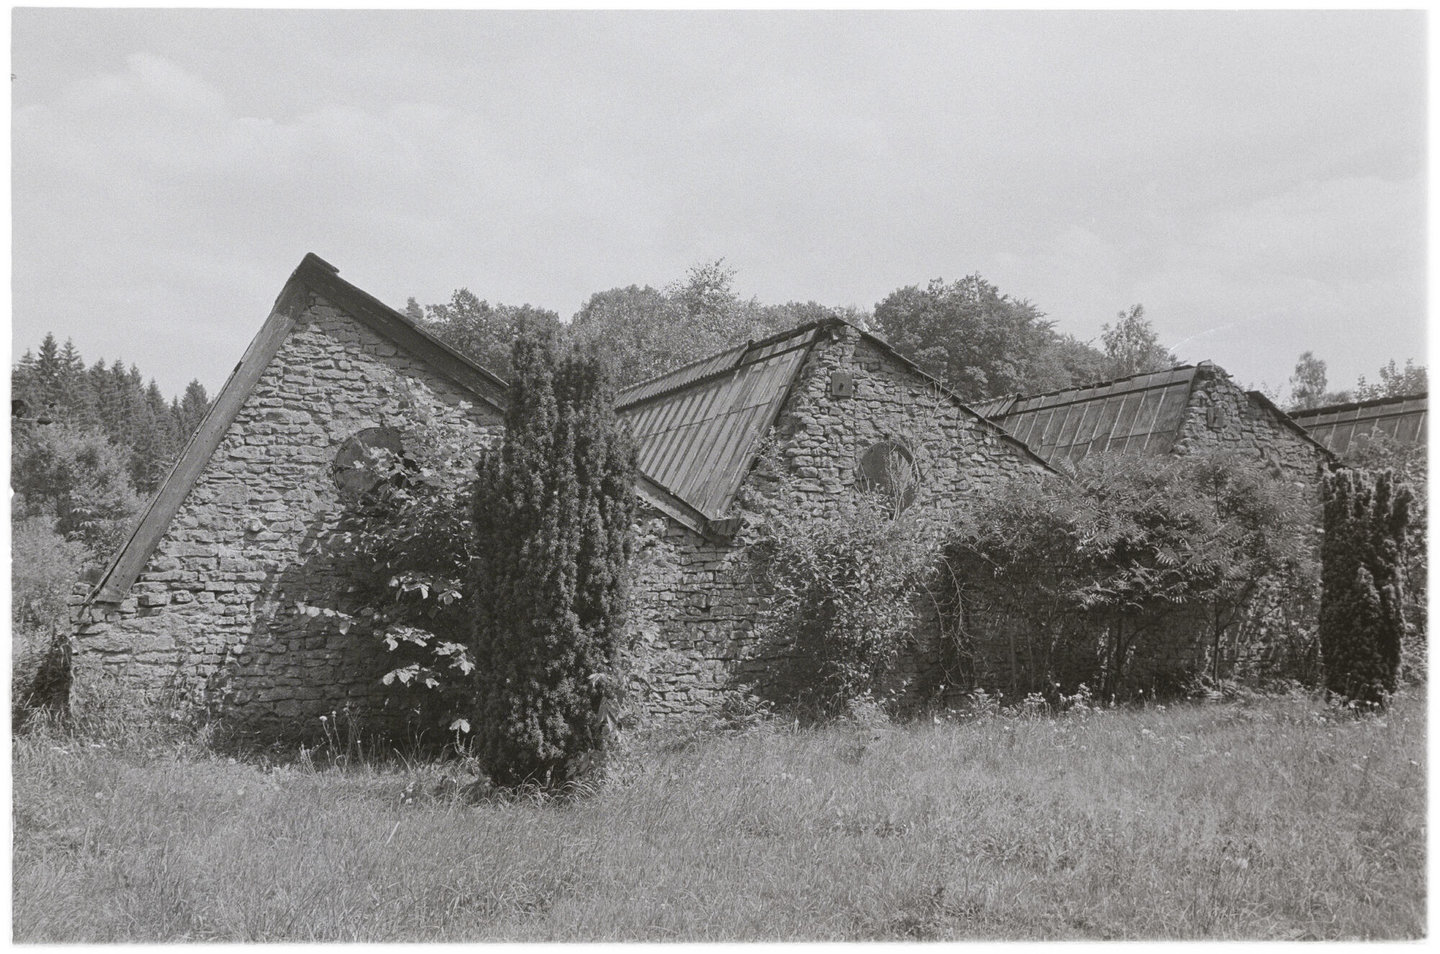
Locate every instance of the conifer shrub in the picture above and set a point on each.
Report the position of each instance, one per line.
(1378, 451)
(1362, 617)
(552, 515)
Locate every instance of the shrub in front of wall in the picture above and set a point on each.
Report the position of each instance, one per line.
(1376, 452)
(1362, 578)
(1125, 575)
(841, 597)
(406, 545)
(552, 514)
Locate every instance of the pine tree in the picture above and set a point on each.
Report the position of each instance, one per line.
(192, 409)
(157, 447)
(1362, 583)
(46, 378)
(552, 514)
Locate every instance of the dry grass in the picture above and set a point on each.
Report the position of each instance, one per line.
(1270, 819)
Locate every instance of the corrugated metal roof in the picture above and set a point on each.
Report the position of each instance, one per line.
(1140, 414)
(699, 427)
(1401, 418)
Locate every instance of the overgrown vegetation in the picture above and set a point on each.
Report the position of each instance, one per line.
(409, 544)
(552, 517)
(843, 597)
(1376, 452)
(1362, 620)
(1275, 818)
(1135, 574)
(85, 447)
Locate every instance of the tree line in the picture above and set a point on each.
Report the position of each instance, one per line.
(146, 428)
(976, 339)
(87, 446)
(1309, 384)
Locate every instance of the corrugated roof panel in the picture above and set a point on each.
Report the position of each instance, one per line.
(679, 377)
(736, 440)
(1105, 425)
(1172, 415)
(1089, 428)
(1045, 429)
(1068, 434)
(1141, 411)
(699, 428)
(1338, 426)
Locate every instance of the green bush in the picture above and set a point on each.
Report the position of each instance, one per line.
(1362, 617)
(553, 511)
(1128, 576)
(407, 547)
(842, 596)
(77, 477)
(1375, 452)
(44, 566)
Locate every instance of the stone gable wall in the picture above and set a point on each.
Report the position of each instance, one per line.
(213, 617)
(694, 604)
(1222, 417)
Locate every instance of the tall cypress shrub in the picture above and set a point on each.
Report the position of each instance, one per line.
(552, 514)
(1362, 583)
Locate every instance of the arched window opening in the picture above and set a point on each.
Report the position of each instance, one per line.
(367, 460)
(889, 468)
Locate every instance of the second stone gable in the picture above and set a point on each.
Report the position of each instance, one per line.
(695, 604)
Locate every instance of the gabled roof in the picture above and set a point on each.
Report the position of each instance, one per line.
(1336, 426)
(316, 275)
(1139, 414)
(699, 427)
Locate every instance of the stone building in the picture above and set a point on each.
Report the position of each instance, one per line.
(212, 599)
(1189, 409)
(831, 404)
(208, 601)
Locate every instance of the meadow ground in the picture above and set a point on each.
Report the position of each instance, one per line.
(1265, 818)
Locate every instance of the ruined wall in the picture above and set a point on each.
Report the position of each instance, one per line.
(216, 617)
(694, 602)
(1222, 417)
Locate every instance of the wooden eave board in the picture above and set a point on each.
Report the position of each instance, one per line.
(155, 519)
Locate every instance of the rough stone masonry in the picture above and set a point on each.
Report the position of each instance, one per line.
(215, 620)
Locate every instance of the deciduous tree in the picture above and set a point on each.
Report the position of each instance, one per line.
(975, 339)
(1394, 381)
(1132, 346)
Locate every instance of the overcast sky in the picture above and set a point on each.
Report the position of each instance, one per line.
(1257, 181)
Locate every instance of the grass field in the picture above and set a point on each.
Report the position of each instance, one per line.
(1273, 818)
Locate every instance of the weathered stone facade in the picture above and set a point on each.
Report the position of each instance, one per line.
(694, 599)
(1222, 417)
(216, 616)
(215, 606)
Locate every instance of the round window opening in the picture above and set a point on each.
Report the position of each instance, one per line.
(365, 460)
(889, 468)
